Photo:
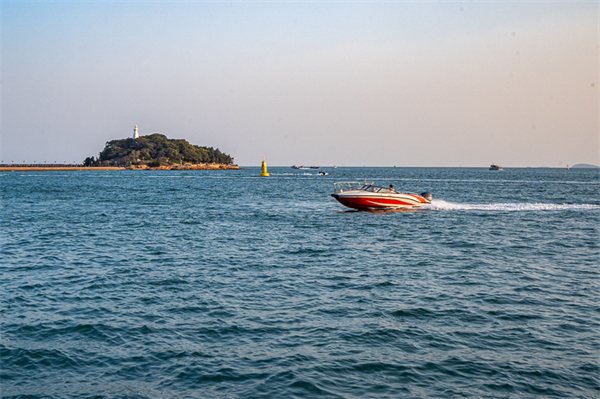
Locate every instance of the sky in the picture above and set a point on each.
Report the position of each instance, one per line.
(345, 83)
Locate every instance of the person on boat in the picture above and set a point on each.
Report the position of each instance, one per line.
(392, 189)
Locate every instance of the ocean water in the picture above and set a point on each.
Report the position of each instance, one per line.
(221, 284)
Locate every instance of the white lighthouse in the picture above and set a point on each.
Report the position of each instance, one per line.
(135, 132)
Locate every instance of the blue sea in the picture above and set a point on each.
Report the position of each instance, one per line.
(221, 284)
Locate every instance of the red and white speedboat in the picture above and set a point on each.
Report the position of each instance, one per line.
(368, 196)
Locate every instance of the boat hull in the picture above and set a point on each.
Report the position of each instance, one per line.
(380, 201)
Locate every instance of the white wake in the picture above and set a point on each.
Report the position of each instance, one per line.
(444, 205)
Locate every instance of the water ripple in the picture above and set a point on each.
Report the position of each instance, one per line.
(224, 285)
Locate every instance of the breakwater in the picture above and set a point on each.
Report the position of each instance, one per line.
(74, 167)
(54, 167)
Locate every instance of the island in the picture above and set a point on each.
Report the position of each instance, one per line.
(157, 152)
(584, 166)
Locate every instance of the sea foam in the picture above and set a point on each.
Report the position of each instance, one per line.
(445, 205)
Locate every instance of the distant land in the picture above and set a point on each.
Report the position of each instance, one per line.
(578, 166)
(156, 151)
(585, 166)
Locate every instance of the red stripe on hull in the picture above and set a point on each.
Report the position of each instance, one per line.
(364, 202)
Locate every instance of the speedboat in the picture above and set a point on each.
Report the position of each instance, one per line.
(495, 167)
(357, 195)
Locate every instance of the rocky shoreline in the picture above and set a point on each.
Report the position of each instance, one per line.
(189, 166)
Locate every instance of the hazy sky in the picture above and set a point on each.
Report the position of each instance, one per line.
(306, 82)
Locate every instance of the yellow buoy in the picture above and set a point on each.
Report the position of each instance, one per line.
(264, 172)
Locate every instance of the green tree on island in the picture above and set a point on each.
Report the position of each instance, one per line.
(154, 150)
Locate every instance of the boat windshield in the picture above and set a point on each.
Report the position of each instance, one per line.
(376, 189)
(342, 187)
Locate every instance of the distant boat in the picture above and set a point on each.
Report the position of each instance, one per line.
(495, 167)
(568, 167)
(304, 167)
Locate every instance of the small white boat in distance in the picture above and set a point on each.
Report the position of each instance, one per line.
(359, 196)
